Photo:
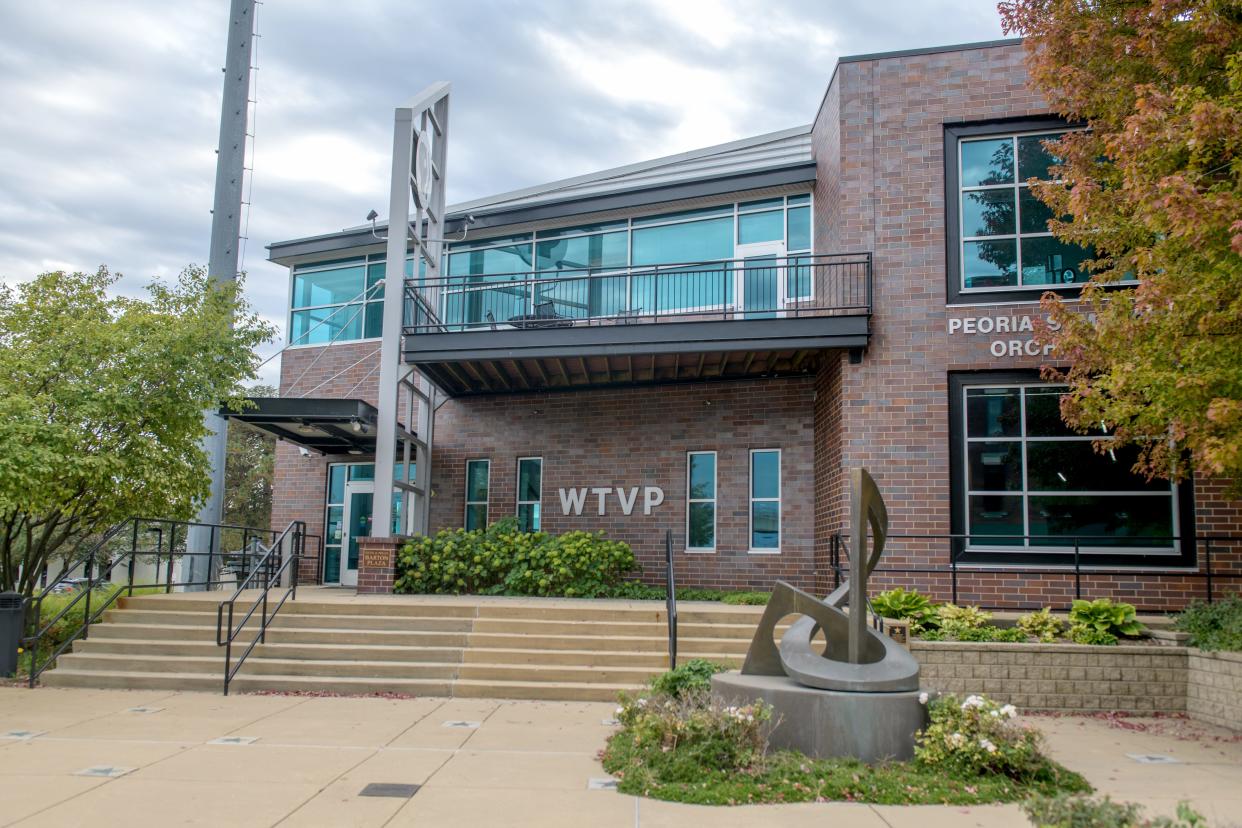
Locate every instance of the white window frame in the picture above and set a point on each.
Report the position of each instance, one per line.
(714, 500)
(486, 504)
(518, 491)
(1025, 493)
(751, 500)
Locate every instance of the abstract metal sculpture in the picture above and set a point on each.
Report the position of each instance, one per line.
(857, 658)
(860, 696)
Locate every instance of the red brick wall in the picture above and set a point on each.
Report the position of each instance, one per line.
(636, 437)
(880, 187)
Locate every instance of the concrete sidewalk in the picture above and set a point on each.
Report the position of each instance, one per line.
(126, 758)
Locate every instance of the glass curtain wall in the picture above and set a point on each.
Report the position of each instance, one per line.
(567, 272)
(338, 301)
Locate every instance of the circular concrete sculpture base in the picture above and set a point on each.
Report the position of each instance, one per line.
(824, 724)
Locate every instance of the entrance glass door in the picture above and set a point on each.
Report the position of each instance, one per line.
(760, 282)
(359, 500)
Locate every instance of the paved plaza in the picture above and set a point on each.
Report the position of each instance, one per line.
(127, 758)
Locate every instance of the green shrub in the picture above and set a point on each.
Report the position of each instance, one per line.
(952, 615)
(502, 560)
(1042, 625)
(1104, 616)
(978, 736)
(754, 599)
(1064, 811)
(693, 676)
(988, 632)
(1215, 626)
(1083, 634)
(899, 604)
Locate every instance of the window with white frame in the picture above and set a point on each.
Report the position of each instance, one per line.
(478, 480)
(1033, 484)
(1003, 241)
(765, 500)
(529, 493)
(701, 501)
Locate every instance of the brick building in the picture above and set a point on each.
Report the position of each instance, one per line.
(704, 344)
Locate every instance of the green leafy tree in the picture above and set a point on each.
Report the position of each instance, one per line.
(1154, 188)
(248, 471)
(101, 402)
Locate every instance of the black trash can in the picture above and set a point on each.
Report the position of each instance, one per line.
(11, 623)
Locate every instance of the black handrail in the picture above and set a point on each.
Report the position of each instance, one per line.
(1070, 546)
(670, 601)
(296, 533)
(99, 564)
(834, 284)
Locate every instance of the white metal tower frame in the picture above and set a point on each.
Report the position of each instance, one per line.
(420, 138)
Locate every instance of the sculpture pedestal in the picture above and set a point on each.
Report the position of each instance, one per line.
(824, 724)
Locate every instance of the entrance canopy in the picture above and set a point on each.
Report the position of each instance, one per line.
(328, 426)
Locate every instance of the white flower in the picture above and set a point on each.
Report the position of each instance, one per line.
(620, 710)
(987, 745)
(642, 702)
(973, 701)
(922, 698)
(1009, 711)
(957, 740)
(750, 718)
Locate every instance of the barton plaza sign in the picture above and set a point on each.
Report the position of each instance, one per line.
(1011, 335)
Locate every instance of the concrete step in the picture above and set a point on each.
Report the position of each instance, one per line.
(412, 623)
(564, 691)
(445, 655)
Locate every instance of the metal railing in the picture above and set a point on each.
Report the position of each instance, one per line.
(670, 600)
(281, 557)
(757, 287)
(157, 545)
(1068, 553)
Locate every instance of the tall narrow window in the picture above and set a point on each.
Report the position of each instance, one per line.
(765, 500)
(478, 473)
(701, 501)
(529, 493)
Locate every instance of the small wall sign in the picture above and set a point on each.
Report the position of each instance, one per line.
(572, 500)
(376, 559)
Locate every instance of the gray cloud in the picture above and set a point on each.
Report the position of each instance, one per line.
(110, 119)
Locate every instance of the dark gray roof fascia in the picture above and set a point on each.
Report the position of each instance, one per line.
(345, 240)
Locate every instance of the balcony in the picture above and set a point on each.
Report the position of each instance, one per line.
(761, 316)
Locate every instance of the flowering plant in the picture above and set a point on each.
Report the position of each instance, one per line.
(723, 736)
(978, 735)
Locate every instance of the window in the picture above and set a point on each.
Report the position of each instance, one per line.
(701, 501)
(999, 240)
(494, 275)
(478, 478)
(765, 500)
(529, 493)
(338, 301)
(1029, 484)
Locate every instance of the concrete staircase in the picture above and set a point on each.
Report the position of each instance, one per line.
(334, 642)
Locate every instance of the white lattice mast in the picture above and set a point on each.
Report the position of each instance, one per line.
(420, 140)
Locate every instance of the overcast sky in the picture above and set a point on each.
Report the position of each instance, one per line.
(111, 109)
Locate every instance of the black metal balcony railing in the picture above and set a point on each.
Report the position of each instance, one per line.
(757, 287)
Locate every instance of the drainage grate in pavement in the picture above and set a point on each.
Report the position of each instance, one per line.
(394, 789)
(1153, 759)
(106, 771)
(606, 783)
(23, 735)
(234, 740)
(143, 709)
(467, 725)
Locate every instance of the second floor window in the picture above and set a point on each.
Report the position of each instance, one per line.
(338, 301)
(1000, 234)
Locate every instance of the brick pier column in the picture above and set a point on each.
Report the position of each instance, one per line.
(376, 564)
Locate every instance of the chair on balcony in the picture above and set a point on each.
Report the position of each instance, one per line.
(545, 316)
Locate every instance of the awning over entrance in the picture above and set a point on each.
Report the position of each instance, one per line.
(328, 426)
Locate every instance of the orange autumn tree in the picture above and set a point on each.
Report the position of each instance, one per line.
(1154, 187)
